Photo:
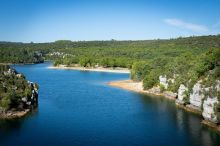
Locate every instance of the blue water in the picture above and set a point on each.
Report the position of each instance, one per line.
(79, 108)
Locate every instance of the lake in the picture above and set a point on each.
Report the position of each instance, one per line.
(79, 108)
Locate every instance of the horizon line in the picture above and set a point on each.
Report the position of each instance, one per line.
(119, 40)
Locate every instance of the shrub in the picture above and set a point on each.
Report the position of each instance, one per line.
(5, 102)
(150, 80)
(162, 88)
(186, 97)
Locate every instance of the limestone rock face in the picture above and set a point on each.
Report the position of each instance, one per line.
(34, 97)
(181, 92)
(209, 104)
(208, 109)
(163, 81)
(196, 96)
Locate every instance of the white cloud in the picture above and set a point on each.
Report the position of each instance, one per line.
(186, 25)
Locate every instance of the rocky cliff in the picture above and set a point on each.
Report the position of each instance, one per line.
(181, 98)
(196, 96)
(202, 98)
(209, 111)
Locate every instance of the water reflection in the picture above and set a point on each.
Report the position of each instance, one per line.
(188, 123)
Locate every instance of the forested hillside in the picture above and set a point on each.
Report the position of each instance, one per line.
(106, 53)
(188, 58)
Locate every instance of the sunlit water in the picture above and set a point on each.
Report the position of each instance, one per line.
(79, 108)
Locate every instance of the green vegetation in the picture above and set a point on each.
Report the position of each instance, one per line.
(19, 53)
(186, 97)
(13, 87)
(186, 60)
(162, 88)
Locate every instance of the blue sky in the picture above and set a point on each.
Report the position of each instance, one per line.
(50, 20)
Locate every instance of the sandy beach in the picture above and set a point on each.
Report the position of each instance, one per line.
(98, 69)
(124, 84)
(138, 87)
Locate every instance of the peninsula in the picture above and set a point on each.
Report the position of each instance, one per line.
(17, 95)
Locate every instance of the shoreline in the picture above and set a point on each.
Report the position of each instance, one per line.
(99, 69)
(14, 114)
(22, 63)
(189, 109)
(138, 87)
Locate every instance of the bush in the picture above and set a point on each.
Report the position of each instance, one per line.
(150, 80)
(162, 88)
(5, 102)
(28, 92)
(85, 62)
(186, 97)
(139, 70)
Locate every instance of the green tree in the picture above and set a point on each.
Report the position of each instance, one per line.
(5, 102)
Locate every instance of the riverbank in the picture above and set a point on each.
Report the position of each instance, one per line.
(138, 87)
(211, 125)
(98, 69)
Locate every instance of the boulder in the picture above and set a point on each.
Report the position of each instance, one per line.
(19, 75)
(24, 99)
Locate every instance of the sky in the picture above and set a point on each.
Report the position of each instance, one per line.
(79, 20)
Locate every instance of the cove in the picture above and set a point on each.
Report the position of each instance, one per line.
(79, 108)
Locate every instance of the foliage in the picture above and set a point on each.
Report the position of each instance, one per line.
(139, 70)
(5, 102)
(184, 59)
(162, 88)
(186, 97)
(12, 88)
(151, 79)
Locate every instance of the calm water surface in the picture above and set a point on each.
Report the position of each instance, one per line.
(78, 108)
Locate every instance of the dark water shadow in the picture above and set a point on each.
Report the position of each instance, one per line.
(9, 125)
(185, 122)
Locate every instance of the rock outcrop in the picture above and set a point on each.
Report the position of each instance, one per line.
(17, 95)
(196, 96)
(209, 112)
(163, 81)
(203, 100)
(33, 100)
(181, 94)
